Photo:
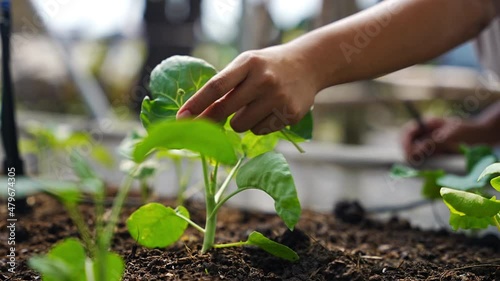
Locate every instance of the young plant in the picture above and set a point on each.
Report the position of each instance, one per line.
(466, 196)
(469, 210)
(89, 258)
(49, 142)
(249, 158)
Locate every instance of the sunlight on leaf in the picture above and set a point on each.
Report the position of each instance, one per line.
(200, 136)
(470, 204)
(156, 226)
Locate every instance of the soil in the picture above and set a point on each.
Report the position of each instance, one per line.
(343, 245)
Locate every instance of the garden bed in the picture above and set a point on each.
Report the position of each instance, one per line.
(343, 245)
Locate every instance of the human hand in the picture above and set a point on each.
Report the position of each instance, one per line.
(439, 136)
(268, 89)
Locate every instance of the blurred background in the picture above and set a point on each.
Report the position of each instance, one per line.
(87, 62)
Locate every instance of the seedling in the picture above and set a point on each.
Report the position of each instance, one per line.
(50, 142)
(250, 159)
(466, 196)
(88, 258)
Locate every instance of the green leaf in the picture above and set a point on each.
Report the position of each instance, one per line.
(495, 182)
(470, 204)
(114, 267)
(156, 226)
(142, 170)
(274, 248)
(490, 170)
(304, 127)
(102, 155)
(467, 222)
(127, 145)
(64, 262)
(469, 181)
(430, 188)
(254, 145)
(173, 82)
(270, 173)
(474, 154)
(402, 171)
(200, 136)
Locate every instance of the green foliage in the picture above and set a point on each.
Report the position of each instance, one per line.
(464, 195)
(276, 249)
(270, 173)
(90, 258)
(469, 181)
(66, 261)
(200, 136)
(172, 83)
(248, 157)
(156, 226)
(430, 188)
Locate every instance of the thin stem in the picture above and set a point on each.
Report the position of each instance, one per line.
(210, 224)
(292, 141)
(497, 222)
(228, 179)
(234, 244)
(83, 228)
(144, 190)
(192, 223)
(115, 211)
(219, 204)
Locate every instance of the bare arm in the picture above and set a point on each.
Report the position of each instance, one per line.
(274, 87)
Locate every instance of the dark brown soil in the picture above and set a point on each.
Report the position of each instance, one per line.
(345, 246)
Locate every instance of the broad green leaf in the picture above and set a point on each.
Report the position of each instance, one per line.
(64, 262)
(470, 204)
(156, 226)
(201, 136)
(474, 154)
(495, 182)
(173, 82)
(469, 181)
(254, 145)
(490, 170)
(274, 248)
(304, 128)
(467, 222)
(114, 267)
(270, 173)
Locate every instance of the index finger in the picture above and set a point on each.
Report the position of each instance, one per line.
(218, 86)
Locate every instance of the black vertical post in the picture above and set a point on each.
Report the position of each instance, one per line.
(12, 161)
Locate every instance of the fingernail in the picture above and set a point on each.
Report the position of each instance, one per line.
(184, 114)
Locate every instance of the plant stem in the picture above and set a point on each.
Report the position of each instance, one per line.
(83, 229)
(210, 224)
(192, 223)
(226, 182)
(234, 244)
(292, 141)
(497, 222)
(144, 190)
(115, 211)
(219, 204)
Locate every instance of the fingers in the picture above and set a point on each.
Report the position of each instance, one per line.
(270, 124)
(251, 115)
(221, 84)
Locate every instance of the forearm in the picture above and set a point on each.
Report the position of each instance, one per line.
(489, 120)
(390, 36)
